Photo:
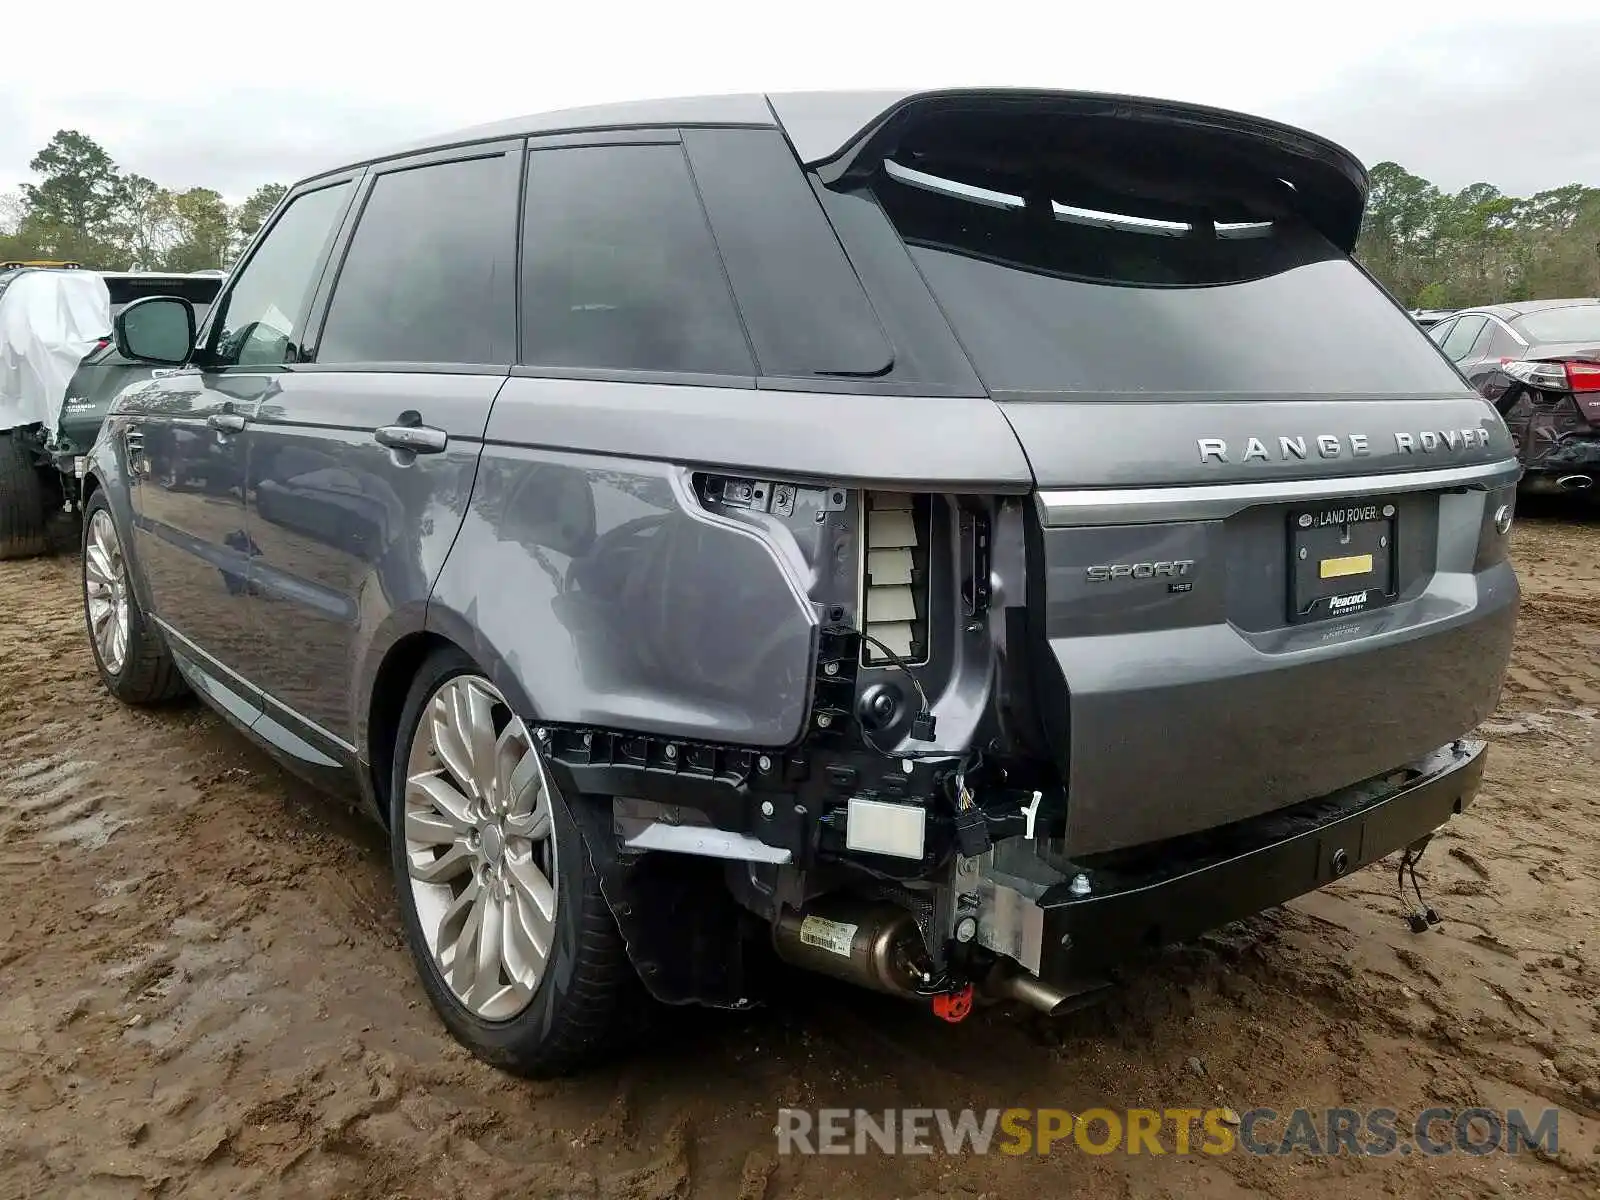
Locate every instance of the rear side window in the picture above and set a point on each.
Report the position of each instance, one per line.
(1462, 336)
(1502, 344)
(1121, 281)
(619, 270)
(428, 276)
(801, 302)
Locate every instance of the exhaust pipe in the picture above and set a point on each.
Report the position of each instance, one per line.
(879, 946)
(868, 943)
(1575, 483)
(1015, 983)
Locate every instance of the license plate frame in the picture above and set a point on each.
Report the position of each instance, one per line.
(1342, 559)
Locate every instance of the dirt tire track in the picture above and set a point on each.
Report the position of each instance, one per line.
(203, 993)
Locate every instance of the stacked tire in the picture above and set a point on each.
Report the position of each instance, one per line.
(23, 506)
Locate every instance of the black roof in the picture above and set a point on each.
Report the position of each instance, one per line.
(830, 130)
(820, 125)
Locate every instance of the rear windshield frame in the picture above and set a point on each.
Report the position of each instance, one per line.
(1528, 324)
(196, 289)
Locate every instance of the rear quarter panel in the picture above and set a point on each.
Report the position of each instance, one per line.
(597, 589)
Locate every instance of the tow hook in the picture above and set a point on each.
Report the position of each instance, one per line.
(953, 1006)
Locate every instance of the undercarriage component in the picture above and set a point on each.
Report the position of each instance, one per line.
(871, 944)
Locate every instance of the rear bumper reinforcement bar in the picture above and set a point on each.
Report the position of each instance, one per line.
(1177, 890)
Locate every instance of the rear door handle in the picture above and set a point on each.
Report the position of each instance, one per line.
(419, 439)
(226, 422)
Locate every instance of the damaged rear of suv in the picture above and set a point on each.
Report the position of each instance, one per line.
(951, 540)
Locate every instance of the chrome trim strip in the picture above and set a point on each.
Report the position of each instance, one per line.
(1214, 502)
(225, 674)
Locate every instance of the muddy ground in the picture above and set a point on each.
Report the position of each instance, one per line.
(202, 992)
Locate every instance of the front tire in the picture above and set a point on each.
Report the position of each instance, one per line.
(23, 529)
(501, 906)
(133, 661)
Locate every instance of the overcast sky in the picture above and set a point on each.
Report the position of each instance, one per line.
(232, 96)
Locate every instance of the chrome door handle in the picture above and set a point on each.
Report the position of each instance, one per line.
(419, 439)
(226, 422)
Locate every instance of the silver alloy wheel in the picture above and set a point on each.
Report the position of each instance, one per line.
(480, 848)
(105, 589)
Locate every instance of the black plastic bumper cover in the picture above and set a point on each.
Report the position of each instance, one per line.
(1181, 889)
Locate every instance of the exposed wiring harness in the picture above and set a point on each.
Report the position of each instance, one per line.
(922, 725)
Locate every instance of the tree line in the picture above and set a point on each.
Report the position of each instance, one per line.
(83, 208)
(1432, 248)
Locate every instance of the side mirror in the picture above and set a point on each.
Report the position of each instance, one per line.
(156, 329)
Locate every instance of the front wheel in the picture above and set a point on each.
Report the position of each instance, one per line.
(132, 659)
(502, 909)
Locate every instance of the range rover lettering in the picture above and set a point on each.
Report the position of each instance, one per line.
(711, 531)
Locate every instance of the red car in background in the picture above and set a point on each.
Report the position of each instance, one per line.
(1539, 362)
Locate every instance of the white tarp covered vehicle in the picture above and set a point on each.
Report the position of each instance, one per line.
(49, 319)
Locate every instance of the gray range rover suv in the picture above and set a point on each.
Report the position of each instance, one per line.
(948, 541)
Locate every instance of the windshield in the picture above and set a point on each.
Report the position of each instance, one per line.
(1160, 285)
(1574, 323)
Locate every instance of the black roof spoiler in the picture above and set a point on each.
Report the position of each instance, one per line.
(837, 133)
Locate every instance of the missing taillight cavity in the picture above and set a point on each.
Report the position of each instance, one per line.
(894, 576)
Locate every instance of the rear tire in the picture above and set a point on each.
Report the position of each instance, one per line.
(473, 830)
(23, 532)
(129, 653)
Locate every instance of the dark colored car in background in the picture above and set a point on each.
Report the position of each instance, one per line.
(105, 371)
(1539, 362)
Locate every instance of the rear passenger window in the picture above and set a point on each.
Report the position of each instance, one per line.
(619, 271)
(1462, 336)
(427, 278)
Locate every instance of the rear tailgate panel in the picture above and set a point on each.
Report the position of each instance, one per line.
(1189, 698)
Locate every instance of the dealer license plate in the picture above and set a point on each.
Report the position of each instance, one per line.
(1341, 559)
